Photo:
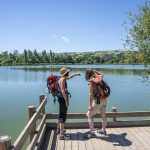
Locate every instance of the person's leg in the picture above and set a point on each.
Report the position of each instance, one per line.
(64, 116)
(90, 115)
(90, 121)
(62, 124)
(103, 116)
(58, 127)
(59, 117)
(61, 128)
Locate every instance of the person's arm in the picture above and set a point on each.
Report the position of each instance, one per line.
(91, 95)
(71, 76)
(63, 90)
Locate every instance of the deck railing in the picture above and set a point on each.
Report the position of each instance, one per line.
(113, 122)
(36, 133)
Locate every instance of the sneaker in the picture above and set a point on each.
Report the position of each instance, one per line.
(101, 131)
(91, 135)
(64, 137)
(58, 131)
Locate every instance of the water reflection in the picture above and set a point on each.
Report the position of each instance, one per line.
(37, 73)
(20, 87)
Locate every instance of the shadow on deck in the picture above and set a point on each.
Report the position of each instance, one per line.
(117, 138)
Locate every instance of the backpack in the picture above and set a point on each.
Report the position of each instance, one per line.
(101, 87)
(53, 86)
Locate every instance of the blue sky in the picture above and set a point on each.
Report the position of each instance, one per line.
(63, 25)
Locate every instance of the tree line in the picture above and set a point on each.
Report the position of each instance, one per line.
(29, 57)
(137, 40)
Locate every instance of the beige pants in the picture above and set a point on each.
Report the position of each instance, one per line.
(97, 108)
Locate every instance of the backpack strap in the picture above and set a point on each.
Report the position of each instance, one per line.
(96, 92)
(66, 88)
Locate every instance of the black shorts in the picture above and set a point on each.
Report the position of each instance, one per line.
(62, 110)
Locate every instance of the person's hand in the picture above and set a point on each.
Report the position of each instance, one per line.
(67, 104)
(90, 108)
(78, 74)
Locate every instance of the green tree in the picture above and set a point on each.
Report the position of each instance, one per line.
(25, 54)
(139, 31)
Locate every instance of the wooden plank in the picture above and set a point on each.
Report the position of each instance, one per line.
(126, 138)
(111, 144)
(84, 125)
(106, 140)
(35, 138)
(146, 135)
(88, 142)
(108, 114)
(74, 139)
(135, 141)
(60, 143)
(122, 139)
(135, 145)
(115, 138)
(141, 136)
(46, 140)
(52, 141)
(41, 137)
(81, 140)
(26, 131)
(68, 142)
(147, 131)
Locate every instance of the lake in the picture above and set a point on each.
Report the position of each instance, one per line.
(20, 87)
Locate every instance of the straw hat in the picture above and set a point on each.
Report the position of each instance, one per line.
(63, 71)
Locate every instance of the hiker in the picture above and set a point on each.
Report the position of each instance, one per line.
(97, 102)
(63, 101)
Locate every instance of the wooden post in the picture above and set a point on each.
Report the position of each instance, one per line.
(5, 142)
(41, 98)
(31, 111)
(114, 109)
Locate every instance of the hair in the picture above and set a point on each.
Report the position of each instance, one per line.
(67, 74)
(88, 74)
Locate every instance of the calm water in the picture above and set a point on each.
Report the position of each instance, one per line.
(20, 88)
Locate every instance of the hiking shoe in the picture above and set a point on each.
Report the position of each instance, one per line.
(91, 135)
(64, 137)
(101, 131)
(58, 131)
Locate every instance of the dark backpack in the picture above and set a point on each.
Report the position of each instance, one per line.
(101, 87)
(105, 87)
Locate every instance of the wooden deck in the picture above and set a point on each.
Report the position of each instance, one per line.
(126, 130)
(128, 138)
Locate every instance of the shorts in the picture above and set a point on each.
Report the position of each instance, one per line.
(98, 108)
(62, 110)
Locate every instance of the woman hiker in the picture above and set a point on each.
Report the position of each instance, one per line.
(97, 102)
(63, 101)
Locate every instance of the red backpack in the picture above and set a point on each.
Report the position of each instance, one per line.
(53, 85)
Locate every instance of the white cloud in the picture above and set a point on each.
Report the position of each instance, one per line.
(65, 39)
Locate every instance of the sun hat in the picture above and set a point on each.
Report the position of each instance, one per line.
(63, 71)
